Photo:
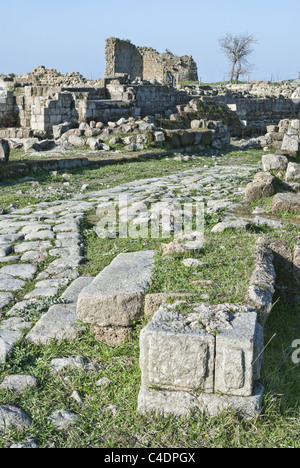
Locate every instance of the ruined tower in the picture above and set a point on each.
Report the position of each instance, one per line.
(123, 57)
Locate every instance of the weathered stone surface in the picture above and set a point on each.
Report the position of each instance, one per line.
(14, 324)
(8, 339)
(234, 224)
(40, 235)
(176, 356)
(112, 336)
(237, 348)
(291, 145)
(57, 365)
(296, 264)
(76, 140)
(286, 202)
(72, 292)
(103, 383)
(5, 250)
(29, 144)
(293, 172)
(14, 418)
(5, 299)
(59, 130)
(10, 238)
(23, 271)
(175, 248)
(274, 162)
(30, 246)
(263, 185)
(10, 258)
(115, 297)
(59, 323)
(181, 403)
(19, 383)
(262, 281)
(272, 223)
(62, 419)
(42, 292)
(8, 283)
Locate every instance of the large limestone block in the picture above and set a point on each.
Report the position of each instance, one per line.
(238, 355)
(274, 162)
(293, 172)
(263, 185)
(176, 356)
(115, 297)
(286, 202)
(291, 145)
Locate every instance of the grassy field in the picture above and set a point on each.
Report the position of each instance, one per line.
(108, 417)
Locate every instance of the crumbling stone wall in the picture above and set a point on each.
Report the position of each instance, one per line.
(146, 63)
(123, 57)
(49, 112)
(157, 99)
(42, 76)
(286, 137)
(7, 110)
(168, 68)
(102, 111)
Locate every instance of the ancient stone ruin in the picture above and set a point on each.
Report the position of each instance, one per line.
(145, 63)
(143, 94)
(194, 355)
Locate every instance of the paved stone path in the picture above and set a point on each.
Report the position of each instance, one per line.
(29, 235)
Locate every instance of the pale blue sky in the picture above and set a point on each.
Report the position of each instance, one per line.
(69, 35)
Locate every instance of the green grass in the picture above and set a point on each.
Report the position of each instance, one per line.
(277, 426)
(108, 418)
(230, 257)
(23, 194)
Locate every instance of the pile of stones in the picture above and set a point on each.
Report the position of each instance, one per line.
(279, 174)
(285, 137)
(141, 134)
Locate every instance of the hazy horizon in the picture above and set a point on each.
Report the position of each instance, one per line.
(70, 35)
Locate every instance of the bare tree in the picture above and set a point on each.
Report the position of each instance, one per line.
(238, 49)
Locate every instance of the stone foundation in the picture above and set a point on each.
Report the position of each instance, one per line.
(209, 359)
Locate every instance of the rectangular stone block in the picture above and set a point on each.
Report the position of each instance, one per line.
(115, 297)
(291, 144)
(180, 403)
(174, 356)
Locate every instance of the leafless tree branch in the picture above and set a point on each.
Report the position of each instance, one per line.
(238, 49)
